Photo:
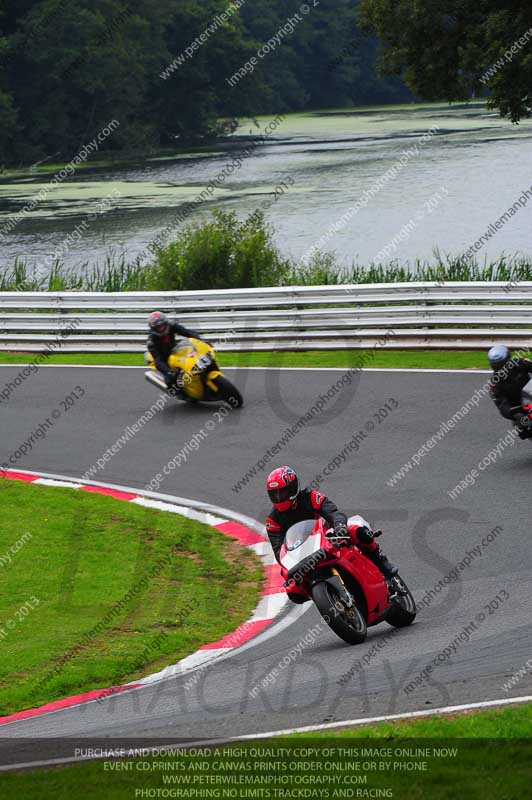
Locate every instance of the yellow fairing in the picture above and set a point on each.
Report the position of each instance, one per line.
(188, 356)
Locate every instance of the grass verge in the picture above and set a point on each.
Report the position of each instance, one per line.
(479, 756)
(97, 592)
(405, 359)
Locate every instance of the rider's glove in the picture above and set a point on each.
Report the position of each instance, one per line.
(365, 535)
(339, 532)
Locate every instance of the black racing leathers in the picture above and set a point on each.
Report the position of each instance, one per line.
(160, 347)
(310, 504)
(507, 384)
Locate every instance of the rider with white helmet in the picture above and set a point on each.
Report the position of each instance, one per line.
(510, 376)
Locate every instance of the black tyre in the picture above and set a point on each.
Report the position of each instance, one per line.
(228, 392)
(347, 623)
(403, 609)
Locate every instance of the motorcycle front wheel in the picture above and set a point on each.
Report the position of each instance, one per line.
(347, 623)
(228, 392)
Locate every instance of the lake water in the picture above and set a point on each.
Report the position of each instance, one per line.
(462, 179)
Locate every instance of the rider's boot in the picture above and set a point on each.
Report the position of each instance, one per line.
(377, 557)
(523, 425)
(177, 387)
(365, 539)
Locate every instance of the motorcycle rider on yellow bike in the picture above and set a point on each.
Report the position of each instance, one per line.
(161, 342)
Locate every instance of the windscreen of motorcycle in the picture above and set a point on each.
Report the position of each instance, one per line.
(300, 543)
(360, 521)
(182, 343)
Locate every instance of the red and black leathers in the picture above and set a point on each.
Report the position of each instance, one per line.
(309, 504)
(160, 347)
(506, 385)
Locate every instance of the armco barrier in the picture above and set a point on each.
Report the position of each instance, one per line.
(420, 315)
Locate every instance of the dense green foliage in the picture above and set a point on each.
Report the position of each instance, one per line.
(223, 253)
(454, 49)
(69, 67)
(326, 62)
(72, 66)
(226, 253)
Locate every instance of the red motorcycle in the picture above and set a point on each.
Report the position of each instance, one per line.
(349, 591)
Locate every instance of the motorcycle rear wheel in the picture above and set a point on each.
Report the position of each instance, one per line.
(403, 609)
(348, 624)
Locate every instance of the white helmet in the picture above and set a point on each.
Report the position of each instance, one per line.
(498, 356)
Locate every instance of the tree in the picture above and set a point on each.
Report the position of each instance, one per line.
(457, 49)
(70, 73)
(8, 115)
(161, 69)
(69, 67)
(194, 95)
(326, 62)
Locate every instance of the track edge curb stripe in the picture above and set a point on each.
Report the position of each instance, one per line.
(230, 524)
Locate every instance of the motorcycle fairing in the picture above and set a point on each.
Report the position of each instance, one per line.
(190, 356)
(291, 558)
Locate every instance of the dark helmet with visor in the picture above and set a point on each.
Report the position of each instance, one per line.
(159, 323)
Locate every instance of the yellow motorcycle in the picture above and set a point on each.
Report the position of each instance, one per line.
(195, 362)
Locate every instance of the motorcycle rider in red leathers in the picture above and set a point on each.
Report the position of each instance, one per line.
(292, 504)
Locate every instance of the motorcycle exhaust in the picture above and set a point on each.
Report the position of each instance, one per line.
(156, 379)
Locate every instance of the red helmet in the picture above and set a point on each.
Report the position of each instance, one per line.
(283, 487)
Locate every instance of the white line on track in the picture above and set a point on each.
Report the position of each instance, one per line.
(348, 723)
(429, 712)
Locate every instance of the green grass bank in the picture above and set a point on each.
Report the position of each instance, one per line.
(390, 359)
(160, 584)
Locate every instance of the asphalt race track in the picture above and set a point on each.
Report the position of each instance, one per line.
(425, 532)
